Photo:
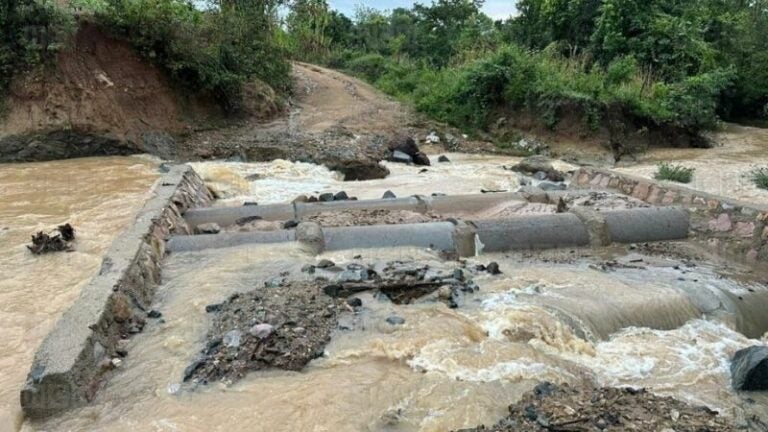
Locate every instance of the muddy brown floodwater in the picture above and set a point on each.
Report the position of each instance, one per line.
(99, 197)
(721, 170)
(563, 321)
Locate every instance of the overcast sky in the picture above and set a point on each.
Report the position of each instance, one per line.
(496, 9)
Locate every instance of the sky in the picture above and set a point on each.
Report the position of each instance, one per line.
(496, 9)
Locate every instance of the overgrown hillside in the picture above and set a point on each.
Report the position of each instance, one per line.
(91, 77)
(659, 71)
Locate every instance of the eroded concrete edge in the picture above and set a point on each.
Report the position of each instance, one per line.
(730, 227)
(74, 359)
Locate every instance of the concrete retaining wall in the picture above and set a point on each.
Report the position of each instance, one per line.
(75, 356)
(727, 226)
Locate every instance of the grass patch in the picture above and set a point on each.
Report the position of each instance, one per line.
(759, 177)
(675, 173)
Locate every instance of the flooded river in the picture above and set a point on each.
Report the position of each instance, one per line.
(563, 321)
(99, 197)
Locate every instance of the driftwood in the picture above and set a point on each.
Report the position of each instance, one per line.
(46, 243)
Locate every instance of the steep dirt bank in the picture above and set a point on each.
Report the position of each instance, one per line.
(100, 98)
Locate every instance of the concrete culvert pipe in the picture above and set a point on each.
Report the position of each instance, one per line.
(647, 224)
(201, 242)
(228, 216)
(437, 235)
(531, 232)
(411, 203)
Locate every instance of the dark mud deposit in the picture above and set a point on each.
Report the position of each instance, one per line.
(281, 327)
(562, 408)
(286, 324)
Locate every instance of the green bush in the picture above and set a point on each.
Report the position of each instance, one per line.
(759, 177)
(369, 66)
(675, 173)
(213, 52)
(31, 33)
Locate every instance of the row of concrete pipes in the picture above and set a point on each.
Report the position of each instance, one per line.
(579, 227)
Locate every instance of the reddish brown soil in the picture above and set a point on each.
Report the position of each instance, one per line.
(100, 85)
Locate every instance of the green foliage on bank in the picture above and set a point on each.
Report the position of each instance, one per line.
(212, 50)
(675, 173)
(683, 63)
(759, 177)
(31, 32)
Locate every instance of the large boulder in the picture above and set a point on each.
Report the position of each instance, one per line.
(536, 164)
(749, 369)
(404, 144)
(403, 149)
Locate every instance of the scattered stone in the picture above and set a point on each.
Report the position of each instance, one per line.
(395, 320)
(389, 195)
(291, 224)
(423, 171)
(552, 186)
(325, 263)
(540, 175)
(438, 194)
(400, 157)
(309, 268)
(443, 159)
(274, 283)
(261, 331)
(213, 308)
(247, 219)
(253, 177)
(563, 408)
(403, 144)
(493, 268)
(326, 197)
(250, 203)
(433, 138)
(341, 196)
(154, 314)
(749, 369)
(45, 243)
(355, 302)
(458, 274)
(116, 362)
(534, 164)
(421, 159)
(353, 275)
(287, 326)
(208, 228)
(445, 293)
(232, 339)
(312, 199)
(301, 199)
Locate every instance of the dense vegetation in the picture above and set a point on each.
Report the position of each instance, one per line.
(685, 63)
(30, 32)
(214, 49)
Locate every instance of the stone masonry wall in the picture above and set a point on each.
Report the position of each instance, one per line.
(727, 226)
